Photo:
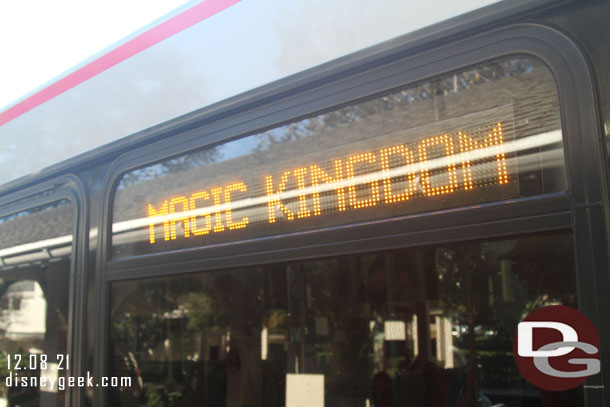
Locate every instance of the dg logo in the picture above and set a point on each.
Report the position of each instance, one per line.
(556, 348)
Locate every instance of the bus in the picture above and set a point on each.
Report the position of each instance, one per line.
(324, 217)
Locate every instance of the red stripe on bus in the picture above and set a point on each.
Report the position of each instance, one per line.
(138, 44)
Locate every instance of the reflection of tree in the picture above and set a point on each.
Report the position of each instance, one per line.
(171, 326)
(178, 164)
(545, 266)
(533, 276)
(47, 207)
(145, 321)
(139, 318)
(203, 312)
(397, 100)
(333, 290)
(43, 222)
(507, 281)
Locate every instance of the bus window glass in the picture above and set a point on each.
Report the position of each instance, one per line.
(485, 134)
(35, 262)
(429, 326)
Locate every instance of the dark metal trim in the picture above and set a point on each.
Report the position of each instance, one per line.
(472, 232)
(69, 188)
(412, 230)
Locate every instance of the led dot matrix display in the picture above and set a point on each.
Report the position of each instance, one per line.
(488, 133)
(425, 169)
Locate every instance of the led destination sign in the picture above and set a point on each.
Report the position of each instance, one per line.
(423, 173)
(489, 133)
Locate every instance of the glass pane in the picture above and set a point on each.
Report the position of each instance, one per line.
(35, 259)
(416, 327)
(481, 135)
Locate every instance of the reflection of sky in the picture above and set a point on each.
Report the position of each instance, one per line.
(51, 55)
(248, 45)
(237, 148)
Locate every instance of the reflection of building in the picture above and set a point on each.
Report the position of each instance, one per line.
(440, 337)
(440, 333)
(23, 312)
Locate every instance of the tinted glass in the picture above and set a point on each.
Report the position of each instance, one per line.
(481, 135)
(415, 327)
(35, 262)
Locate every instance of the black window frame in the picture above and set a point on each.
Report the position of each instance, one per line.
(71, 189)
(581, 209)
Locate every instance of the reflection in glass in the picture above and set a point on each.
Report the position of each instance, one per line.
(485, 134)
(415, 327)
(35, 252)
